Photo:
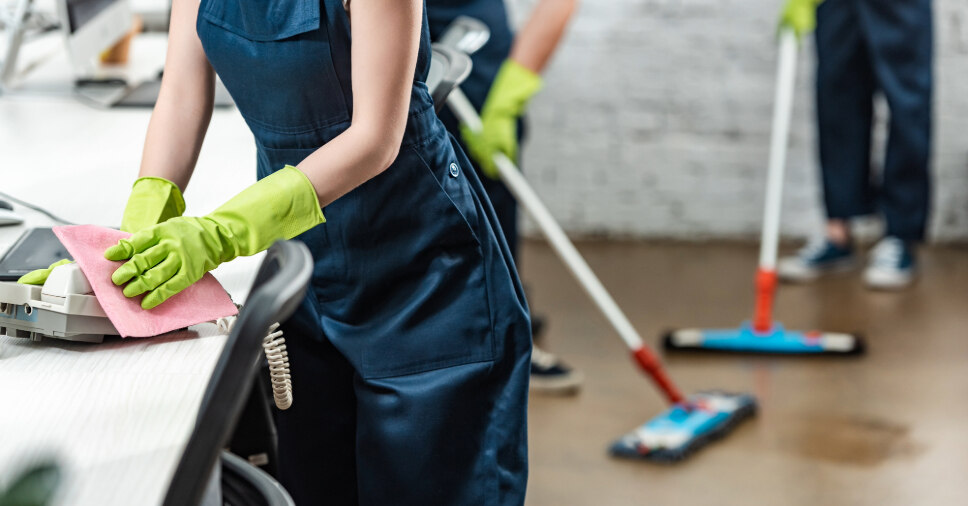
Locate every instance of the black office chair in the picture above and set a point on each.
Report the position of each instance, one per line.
(448, 69)
(278, 289)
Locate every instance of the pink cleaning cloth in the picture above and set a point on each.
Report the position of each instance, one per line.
(204, 301)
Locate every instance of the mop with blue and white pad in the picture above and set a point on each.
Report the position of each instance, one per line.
(689, 422)
(762, 334)
(684, 427)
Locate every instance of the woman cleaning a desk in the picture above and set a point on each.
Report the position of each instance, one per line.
(411, 350)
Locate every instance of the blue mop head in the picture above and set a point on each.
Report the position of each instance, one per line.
(685, 427)
(777, 341)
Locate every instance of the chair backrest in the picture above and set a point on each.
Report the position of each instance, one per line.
(448, 69)
(278, 289)
(465, 34)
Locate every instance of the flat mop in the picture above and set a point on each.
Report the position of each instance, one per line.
(690, 422)
(763, 335)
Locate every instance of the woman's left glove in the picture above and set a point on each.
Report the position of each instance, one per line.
(164, 259)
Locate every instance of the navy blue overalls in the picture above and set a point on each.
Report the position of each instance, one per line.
(864, 46)
(487, 61)
(410, 353)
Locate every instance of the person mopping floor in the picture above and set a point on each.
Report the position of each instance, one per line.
(505, 74)
(689, 423)
(763, 334)
(865, 47)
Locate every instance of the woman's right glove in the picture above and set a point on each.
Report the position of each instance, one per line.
(152, 201)
(166, 258)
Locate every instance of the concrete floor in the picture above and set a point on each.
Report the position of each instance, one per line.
(888, 428)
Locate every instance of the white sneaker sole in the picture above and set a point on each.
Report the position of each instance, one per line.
(877, 279)
(793, 272)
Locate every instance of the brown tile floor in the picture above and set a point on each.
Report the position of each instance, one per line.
(888, 428)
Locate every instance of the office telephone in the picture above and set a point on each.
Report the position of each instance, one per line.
(65, 308)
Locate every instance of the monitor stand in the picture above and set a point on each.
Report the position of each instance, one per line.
(17, 21)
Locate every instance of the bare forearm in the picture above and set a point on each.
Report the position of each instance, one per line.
(536, 41)
(174, 139)
(184, 108)
(386, 39)
(349, 160)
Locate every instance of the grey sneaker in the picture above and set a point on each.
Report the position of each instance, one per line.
(891, 265)
(820, 256)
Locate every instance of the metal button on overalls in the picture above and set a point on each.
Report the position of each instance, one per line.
(410, 353)
(486, 63)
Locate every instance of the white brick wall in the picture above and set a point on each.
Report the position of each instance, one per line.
(656, 114)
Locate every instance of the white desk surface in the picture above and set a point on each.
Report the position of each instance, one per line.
(114, 415)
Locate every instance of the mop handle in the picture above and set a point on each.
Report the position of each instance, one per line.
(782, 114)
(524, 194)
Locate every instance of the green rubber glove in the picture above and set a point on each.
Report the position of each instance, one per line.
(152, 201)
(39, 276)
(505, 103)
(800, 16)
(166, 258)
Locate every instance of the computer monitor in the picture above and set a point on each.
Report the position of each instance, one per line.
(91, 26)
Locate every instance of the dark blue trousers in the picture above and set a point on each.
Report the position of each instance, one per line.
(866, 46)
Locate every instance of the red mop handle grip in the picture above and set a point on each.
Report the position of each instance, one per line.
(765, 289)
(650, 364)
